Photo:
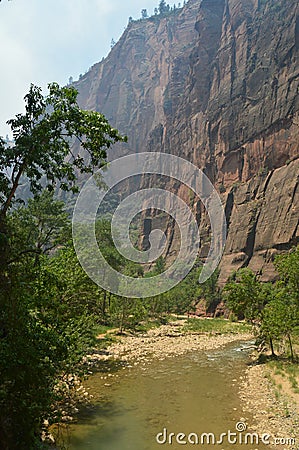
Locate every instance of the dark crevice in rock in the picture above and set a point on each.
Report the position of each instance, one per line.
(268, 179)
(147, 228)
(292, 203)
(282, 247)
(251, 239)
(241, 163)
(297, 34)
(170, 233)
(216, 84)
(229, 207)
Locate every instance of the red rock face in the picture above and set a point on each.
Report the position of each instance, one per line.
(216, 83)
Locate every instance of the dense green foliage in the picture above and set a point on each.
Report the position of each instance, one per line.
(246, 296)
(43, 142)
(50, 309)
(42, 338)
(273, 308)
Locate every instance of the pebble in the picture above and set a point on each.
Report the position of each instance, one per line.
(258, 396)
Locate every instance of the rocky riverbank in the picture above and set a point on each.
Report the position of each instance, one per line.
(169, 340)
(274, 412)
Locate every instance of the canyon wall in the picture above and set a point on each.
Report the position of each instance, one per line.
(216, 83)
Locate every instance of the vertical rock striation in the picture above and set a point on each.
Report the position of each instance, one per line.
(216, 83)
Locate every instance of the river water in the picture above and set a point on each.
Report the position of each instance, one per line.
(140, 405)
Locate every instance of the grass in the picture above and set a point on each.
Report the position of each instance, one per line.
(101, 329)
(284, 377)
(108, 339)
(145, 326)
(142, 327)
(293, 374)
(287, 370)
(216, 326)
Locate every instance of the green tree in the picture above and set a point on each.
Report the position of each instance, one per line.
(43, 150)
(160, 265)
(37, 339)
(210, 291)
(179, 300)
(39, 227)
(272, 307)
(144, 14)
(163, 7)
(244, 296)
(288, 269)
(127, 313)
(48, 323)
(279, 320)
(43, 147)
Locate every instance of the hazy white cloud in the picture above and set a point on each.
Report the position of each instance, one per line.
(51, 40)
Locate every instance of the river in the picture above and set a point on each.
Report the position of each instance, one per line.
(140, 406)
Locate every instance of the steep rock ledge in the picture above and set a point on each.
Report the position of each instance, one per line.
(216, 83)
(263, 221)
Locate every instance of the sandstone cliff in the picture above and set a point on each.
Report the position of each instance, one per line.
(216, 83)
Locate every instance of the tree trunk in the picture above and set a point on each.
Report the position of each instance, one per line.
(13, 191)
(272, 347)
(291, 347)
(6, 303)
(122, 320)
(104, 304)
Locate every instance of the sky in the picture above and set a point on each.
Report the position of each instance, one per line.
(51, 40)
